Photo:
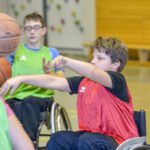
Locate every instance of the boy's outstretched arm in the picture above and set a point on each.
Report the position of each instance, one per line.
(45, 81)
(84, 69)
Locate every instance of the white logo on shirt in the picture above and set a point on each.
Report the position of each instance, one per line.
(82, 90)
(22, 57)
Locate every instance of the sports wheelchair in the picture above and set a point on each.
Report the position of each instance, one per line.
(138, 143)
(60, 121)
(54, 119)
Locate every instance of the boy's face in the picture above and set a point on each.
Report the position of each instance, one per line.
(103, 61)
(34, 31)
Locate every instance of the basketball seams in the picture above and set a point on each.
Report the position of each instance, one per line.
(7, 46)
(10, 33)
(10, 36)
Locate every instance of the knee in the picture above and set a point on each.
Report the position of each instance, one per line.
(86, 142)
(54, 137)
(54, 140)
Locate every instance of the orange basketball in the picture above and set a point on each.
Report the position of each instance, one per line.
(5, 70)
(9, 34)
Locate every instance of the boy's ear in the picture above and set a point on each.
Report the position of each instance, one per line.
(116, 65)
(44, 31)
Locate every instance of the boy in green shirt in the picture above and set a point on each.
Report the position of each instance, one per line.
(27, 60)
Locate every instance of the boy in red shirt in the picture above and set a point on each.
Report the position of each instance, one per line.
(104, 104)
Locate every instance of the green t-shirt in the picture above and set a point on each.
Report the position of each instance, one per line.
(27, 62)
(4, 135)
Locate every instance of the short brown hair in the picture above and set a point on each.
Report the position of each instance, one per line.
(36, 17)
(114, 48)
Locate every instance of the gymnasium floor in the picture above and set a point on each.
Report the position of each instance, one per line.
(138, 78)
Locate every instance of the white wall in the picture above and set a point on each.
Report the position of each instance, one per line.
(89, 23)
(68, 34)
(89, 20)
(70, 38)
(20, 8)
(89, 16)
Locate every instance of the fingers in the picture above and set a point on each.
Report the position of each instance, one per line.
(46, 66)
(9, 86)
(12, 90)
(58, 62)
(49, 63)
(43, 61)
(4, 89)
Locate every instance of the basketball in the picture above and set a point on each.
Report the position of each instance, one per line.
(5, 70)
(9, 34)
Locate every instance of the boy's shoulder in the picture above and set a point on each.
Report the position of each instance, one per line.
(116, 75)
(54, 51)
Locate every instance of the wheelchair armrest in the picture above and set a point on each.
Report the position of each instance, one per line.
(132, 143)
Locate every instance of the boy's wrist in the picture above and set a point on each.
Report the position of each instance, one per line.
(19, 78)
(64, 60)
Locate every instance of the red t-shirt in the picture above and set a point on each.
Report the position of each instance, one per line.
(100, 111)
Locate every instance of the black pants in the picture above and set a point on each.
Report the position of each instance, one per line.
(28, 112)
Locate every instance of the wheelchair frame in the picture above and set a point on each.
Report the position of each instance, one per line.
(58, 116)
(55, 119)
(137, 143)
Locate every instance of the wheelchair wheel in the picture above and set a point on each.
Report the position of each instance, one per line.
(55, 119)
(59, 118)
(142, 147)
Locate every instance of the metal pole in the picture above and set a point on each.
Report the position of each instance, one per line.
(45, 17)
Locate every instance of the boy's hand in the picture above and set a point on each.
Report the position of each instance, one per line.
(10, 86)
(59, 62)
(46, 66)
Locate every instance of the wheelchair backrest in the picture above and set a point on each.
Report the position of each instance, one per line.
(140, 120)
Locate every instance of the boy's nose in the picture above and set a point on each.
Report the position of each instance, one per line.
(32, 30)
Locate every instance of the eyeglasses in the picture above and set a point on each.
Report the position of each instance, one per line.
(30, 28)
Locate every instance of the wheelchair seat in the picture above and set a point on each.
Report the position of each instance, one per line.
(137, 143)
